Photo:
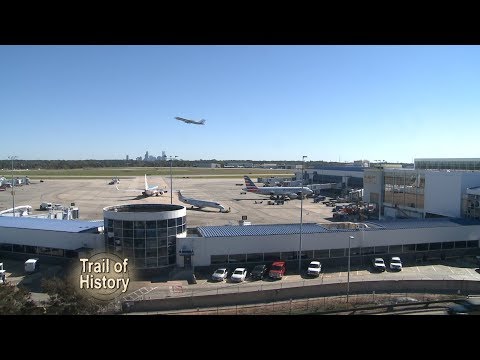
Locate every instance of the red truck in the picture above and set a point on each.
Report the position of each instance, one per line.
(277, 270)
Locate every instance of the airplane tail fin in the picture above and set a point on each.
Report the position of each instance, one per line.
(146, 183)
(180, 196)
(249, 183)
(202, 121)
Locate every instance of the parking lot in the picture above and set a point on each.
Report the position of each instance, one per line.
(453, 269)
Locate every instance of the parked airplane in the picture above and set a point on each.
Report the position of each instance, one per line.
(200, 203)
(149, 190)
(281, 191)
(188, 121)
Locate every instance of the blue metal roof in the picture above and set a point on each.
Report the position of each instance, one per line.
(425, 223)
(312, 228)
(259, 230)
(71, 226)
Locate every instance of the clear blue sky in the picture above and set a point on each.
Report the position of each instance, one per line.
(330, 103)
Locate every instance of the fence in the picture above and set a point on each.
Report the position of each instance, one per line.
(357, 304)
(278, 292)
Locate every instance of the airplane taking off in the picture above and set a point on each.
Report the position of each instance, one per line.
(149, 190)
(188, 121)
(290, 191)
(200, 203)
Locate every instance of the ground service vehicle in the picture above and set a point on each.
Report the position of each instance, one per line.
(277, 270)
(46, 206)
(31, 265)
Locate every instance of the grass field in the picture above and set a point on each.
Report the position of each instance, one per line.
(99, 173)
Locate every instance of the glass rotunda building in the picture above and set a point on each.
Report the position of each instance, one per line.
(145, 233)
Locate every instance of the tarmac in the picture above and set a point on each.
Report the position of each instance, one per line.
(92, 195)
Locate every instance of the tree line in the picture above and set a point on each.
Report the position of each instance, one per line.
(63, 299)
(20, 164)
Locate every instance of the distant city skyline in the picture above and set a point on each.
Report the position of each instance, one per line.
(262, 103)
(151, 158)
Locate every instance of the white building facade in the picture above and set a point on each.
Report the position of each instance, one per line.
(47, 237)
(412, 193)
(410, 239)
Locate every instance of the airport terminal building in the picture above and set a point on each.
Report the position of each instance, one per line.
(412, 193)
(440, 207)
(146, 234)
(410, 239)
(157, 238)
(35, 237)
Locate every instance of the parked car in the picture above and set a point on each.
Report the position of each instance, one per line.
(470, 306)
(220, 274)
(239, 275)
(277, 270)
(314, 268)
(258, 272)
(379, 264)
(395, 263)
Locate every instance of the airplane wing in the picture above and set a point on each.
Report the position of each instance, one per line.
(182, 119)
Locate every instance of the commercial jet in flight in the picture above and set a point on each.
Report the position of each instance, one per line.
(188, 121)
(290, 191)
(148, 190)
(200, 203)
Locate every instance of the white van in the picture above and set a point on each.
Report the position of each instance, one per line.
(31, 265)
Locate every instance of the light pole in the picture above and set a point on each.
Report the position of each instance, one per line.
(171, 188)
(13, 185)
(301, 222)
(348, 271)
